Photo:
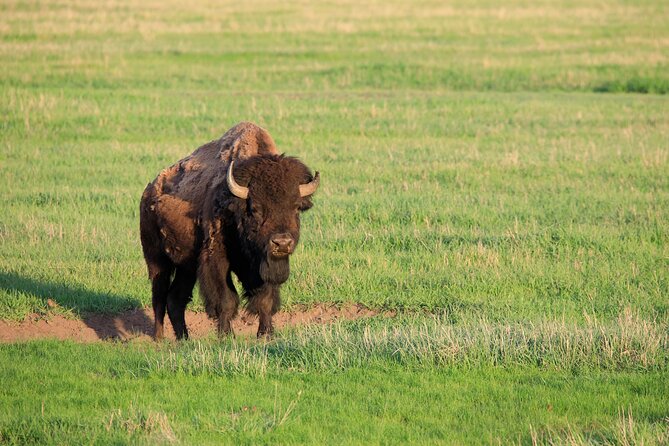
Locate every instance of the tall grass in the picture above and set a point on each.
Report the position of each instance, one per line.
(629, 343)
(415, 379)
(625, 432)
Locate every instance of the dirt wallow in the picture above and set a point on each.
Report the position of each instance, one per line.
(137, 325)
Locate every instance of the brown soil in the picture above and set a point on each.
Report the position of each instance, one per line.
(138, 324)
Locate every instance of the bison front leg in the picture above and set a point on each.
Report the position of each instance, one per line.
(227, 307)
(220, 296)
(216, 287)
(265, 302)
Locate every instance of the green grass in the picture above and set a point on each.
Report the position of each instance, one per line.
(502, 166)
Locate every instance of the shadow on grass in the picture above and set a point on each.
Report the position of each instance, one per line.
(109, 315)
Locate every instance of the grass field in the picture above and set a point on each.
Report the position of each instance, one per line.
(496, 173)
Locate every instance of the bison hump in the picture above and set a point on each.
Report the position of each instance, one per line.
(246, 140)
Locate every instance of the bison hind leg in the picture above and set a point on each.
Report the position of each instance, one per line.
(160, 284)
(180, 293)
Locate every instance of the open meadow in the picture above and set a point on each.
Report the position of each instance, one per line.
(495, 174)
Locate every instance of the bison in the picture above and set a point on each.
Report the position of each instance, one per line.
(232, 206)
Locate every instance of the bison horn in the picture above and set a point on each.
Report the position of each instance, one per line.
(237, 190)
(310, 188)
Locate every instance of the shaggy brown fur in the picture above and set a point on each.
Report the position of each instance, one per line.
(194, 228)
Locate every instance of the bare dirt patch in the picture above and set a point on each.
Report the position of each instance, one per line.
(138, 324)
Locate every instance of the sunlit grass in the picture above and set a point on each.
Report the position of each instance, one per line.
(419, 378)
(630, 343)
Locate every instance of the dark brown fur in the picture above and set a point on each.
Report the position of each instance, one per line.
(193, 228)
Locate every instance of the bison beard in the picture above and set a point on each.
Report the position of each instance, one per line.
(263, 267)
(275, 271)
(202, 220)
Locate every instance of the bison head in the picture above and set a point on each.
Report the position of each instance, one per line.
(268, 194)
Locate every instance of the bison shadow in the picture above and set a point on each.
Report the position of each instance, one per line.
(90, 306)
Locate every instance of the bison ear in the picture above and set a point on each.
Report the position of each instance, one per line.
(308, 180)
(305, 204)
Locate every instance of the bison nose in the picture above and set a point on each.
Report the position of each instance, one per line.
(282, 244)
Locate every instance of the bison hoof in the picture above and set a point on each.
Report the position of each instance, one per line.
(267, 335)
(225, 330)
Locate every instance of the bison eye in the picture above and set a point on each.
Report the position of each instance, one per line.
(256, 210)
